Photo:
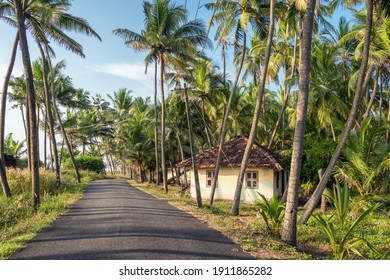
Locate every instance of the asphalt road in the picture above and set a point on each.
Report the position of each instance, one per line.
(114, 221)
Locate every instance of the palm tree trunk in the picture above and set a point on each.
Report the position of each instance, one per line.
(30, 102)
(64, 135)
(38, 119)
(3, 174)
(182, 157)
(290, 220)
(23, 120)
(225, 120)
(193, 152)
(156, 125)
(50, 117)
(28, 137)
(45, 141)
(256, 114)
(366, 91)
(163, 166)
(313, 201)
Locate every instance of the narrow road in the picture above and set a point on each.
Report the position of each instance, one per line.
(114, 221)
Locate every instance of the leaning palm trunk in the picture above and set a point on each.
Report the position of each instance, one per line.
(49, 117)
(30, 103)
(193, 152)
(163, 166)
(290, 220)
(156, 125)
(314, 199)
(3, 174)
(65, 137)
(225, 120)
(256, 115)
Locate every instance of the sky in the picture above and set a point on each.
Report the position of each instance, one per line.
(109, 65)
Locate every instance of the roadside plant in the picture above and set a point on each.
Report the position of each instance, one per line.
(272, 212)
(340, 229)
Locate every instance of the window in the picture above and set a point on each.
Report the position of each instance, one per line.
(251, 180)
(210, 178)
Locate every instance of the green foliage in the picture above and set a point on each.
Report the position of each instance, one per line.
(12, 147)
(19, 222)
(272, 211)
(317, 153)
(90, 163)
(339, 229)
(365, 162)
(20, 181)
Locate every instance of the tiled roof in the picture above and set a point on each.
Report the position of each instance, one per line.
(232, 154)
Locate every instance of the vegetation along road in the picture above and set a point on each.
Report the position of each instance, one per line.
(116, 221)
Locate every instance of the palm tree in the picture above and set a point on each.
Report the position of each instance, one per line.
(12, 147)
(289, 226)
(233, 16)
(283, 54)
(47, 20)
(311, 204)
(170, 39)
(21, 24)
(122, 101)
(256, 114)
(5, 10)
(205, 85)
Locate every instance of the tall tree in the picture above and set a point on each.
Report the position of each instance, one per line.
(256, 114)
(290, 220)
(233, 17)
(30, 101)
(5, 11)
(312, 203)
(172, 40)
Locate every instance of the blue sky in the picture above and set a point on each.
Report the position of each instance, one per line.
(108, 65)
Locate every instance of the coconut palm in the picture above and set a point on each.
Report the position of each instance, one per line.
(310, 206)
(256, 114)
(170, 39)
(14, 148)
(33, 129)
(5, 12)
(233, 17)
(46, 20)
(289, 226)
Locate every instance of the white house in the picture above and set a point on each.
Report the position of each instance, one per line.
(266, 173)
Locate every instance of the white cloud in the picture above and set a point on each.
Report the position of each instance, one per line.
(131, 71)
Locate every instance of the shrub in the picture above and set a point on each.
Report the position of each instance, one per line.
(272, 212)
(90, 163)
(339, 229)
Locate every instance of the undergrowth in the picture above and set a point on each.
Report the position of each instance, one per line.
(19, 223)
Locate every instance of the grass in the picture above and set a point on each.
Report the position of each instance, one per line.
(249, 230)
(19, 223)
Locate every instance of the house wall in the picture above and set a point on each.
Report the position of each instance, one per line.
(227, 180)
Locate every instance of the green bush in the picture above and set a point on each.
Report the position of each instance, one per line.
(340, 230)
(272, 212)
(90, 163)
